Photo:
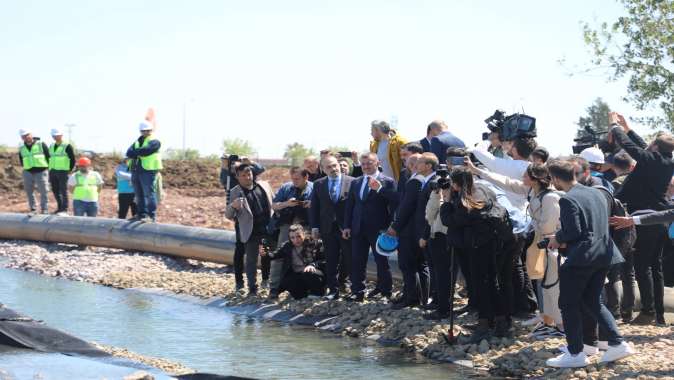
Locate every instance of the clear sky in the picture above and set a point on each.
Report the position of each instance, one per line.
(275, 72)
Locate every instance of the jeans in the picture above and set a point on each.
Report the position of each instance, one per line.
(83, 208)
(146, 196)
(580, 297)
(41, 181)
(126, 202)
(648, 267)
(58, 179)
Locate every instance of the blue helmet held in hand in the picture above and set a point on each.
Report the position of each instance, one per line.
(387, 245)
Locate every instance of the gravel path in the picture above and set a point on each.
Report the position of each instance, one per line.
(519, 356)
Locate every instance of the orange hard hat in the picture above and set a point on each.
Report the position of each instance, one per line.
(84, 161)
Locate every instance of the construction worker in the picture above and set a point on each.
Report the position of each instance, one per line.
(147, 164)
(61, 163)
(86, 185)
(34, 157)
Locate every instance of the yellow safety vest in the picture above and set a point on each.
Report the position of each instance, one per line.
(33, 158)
(151, 162)
(86, 188)
(58, 158)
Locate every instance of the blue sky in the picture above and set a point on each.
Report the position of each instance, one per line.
(315, 72)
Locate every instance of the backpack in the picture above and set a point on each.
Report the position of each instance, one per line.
(624, 238)
(499, 221)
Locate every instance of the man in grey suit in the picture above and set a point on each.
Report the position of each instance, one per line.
(326, 218)
(251, 208)
(585, 242)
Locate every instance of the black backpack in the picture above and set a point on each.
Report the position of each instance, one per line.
(624, 238)
(499, 220)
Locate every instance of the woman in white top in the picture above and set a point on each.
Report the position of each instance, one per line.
(544, 211)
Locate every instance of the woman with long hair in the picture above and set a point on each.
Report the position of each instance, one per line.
(468, 210)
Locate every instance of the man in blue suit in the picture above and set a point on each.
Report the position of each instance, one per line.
(368, 212)
(426, 141)
(442, 139)
(585, 242)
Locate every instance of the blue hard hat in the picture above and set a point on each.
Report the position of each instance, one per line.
(671, 231)
(387, 245)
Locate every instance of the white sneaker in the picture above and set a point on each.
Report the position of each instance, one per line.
(566, 360)
(603, 345)
(588, 350)
(618, 352)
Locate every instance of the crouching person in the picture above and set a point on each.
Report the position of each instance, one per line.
(303, 270)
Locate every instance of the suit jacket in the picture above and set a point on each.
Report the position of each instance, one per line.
(244, 216)
(403, 223)
(373, 214)
(422, 228)
(646, 186)
(323, 213)
(583, 213)
(660, 217)
(425, 144)
(441, 142)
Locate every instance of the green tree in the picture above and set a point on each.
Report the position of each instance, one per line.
(296, 152)
(238, 146)
(596, 118)
(639, 46)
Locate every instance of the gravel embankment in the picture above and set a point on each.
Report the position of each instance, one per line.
(518, 356)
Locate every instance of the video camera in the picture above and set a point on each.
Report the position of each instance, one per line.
(590, 139)
(443, 182)
(510, 127)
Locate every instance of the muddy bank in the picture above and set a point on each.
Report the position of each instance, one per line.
(516, 356)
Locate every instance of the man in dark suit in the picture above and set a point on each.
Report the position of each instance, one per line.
(326, 217)
(585, 241)
(371, 202)
(443, 139)
(413, 265)
(426, 166)
(645, 188)
(408, 150)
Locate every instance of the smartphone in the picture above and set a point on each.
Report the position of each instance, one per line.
(345, 154)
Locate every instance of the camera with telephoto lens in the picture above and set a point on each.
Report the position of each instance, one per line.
(543, 244)
(510, 127)
(589, 138)
(443, 181)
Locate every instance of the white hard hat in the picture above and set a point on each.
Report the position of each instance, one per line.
(593, 155)
(145, 126)
(56, 132)
(23, 132)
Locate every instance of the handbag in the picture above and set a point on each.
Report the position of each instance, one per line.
(535, 260)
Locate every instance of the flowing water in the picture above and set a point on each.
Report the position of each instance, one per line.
(204, 338)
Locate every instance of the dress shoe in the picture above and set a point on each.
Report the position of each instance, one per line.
(644, 319)
(660, 320)
(405, 303)
(430, 306)
(356, 298)
(373, 293)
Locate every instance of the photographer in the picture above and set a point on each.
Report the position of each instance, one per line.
(646, 188)
(303, 269)
(291, 206)
(469, 209)
(541, 264)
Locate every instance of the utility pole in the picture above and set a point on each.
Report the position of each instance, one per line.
(70, 127)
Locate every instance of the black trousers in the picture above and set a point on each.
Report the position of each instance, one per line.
(506, 258)
(523, 290)
(239, 253)
(465, 263)
(301, 284)
(668, 263)
(126, 202)
(443, 271)
(485, 281)
(648, 267)
(580, 302)
(338, 259)
(413, 265)
(58, 180)
(361, 246)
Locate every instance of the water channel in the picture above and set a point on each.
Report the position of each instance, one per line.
(204, 338)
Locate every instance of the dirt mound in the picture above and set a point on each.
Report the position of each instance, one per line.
(181, 174)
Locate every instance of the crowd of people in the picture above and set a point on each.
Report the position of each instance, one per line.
(546, 240)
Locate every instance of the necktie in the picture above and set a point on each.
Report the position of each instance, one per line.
(366, 189)
(333, 190)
